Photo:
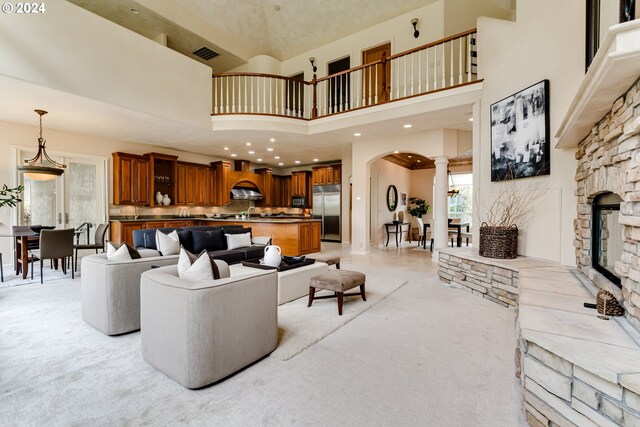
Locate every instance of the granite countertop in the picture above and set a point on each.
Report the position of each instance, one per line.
(270, 219)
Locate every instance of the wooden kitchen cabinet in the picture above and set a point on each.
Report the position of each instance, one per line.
(162, 177)
(222, 189)
(130, 179)
(300, 185)
(181, 184)
(327, 175)
(309, 237)
(122, 232)
(267, 188)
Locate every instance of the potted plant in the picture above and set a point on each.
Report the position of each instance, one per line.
(10, 196)
(421, 207)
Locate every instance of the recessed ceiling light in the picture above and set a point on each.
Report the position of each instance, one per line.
(277, 157)
(407, 126)
(419, 161)
(252, 152)
(409, 156)
(357, 134)
(280, 164)
(269, 149)
(396, 152)
(226, 148)
(134, 11)
(297, 162)
(259, 160)
(248, 144)
(272, 140)
(470, 119)
(233, 155)
(316, 160)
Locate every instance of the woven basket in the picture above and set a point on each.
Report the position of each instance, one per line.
(498, 242)
(613, 306)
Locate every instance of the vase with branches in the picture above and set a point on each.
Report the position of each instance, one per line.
(421, 207)
(512, 208)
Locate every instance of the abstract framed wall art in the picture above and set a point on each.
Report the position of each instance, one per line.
(520, 145)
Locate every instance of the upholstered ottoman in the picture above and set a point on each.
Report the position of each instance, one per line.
(327, 259)
(337, 281)
(198, 333)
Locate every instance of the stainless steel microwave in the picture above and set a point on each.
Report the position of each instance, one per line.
(298, 201)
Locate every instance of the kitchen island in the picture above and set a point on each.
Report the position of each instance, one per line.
(295, 236)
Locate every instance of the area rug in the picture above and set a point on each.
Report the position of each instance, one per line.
(300, 327)
(50, 275)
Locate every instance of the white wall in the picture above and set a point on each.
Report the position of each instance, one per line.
(73, 50)
(462, 15)
(545, 42)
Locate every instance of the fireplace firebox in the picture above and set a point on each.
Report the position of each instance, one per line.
(606, 235)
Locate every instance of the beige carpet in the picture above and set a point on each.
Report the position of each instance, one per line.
(299, 326)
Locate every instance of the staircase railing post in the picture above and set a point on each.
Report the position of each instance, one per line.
(314, 109)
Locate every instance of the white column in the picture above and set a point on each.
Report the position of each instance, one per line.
(440, 210)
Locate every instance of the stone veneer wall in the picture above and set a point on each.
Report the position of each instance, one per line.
(496, 284)
(574, 392)
(609, 161)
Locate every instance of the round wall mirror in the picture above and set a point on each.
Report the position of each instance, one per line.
(392, 198)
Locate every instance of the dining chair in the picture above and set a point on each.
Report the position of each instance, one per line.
(421, 236)
(451, 235)
(54, 244)
(98, 242)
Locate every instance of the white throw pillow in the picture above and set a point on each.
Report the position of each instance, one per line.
(120, 254)
(168, 244)
(199, 270)
(235, 241)
(261, 240)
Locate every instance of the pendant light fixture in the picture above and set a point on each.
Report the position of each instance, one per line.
(453, 191)
(34, 168)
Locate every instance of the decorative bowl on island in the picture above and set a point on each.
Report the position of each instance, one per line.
(292, 259)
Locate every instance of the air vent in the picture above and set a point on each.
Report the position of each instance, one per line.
(205, 53)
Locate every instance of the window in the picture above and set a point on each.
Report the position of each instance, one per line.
(461, 206)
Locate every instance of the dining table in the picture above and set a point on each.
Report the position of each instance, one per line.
(452, 226)
(21, 250)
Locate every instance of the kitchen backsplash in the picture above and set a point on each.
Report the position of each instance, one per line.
(236, 206)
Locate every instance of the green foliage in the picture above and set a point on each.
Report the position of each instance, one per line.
(421, 207)
(10, 196)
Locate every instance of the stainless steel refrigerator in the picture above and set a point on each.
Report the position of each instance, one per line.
(326, 207)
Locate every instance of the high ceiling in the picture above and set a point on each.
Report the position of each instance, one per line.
(239, 30)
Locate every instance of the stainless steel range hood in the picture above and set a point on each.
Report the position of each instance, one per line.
(245, 193)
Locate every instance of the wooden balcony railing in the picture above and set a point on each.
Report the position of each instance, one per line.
(444, 64)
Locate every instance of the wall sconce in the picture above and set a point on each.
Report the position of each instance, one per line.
(416, 33)
(312, 60)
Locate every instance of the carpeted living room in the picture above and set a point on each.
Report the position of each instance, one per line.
(359, 212)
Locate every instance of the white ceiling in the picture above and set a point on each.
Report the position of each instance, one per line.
(286, 28)
(253, 27)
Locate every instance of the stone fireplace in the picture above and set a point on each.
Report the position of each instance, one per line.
(607, 227)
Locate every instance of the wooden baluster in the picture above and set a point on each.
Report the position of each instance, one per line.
(451, 65)
(398, 78)
(264, 94)
(251, 79)
(370, 78)
(459, 61)
(435, 70)
(405, 76)
(246, 109)
(233, 94)
(412, 67)
(228, 109)
(444, 72)
(426, 83)
(276, 96)
(270, 101)
(215, 96)
(420, 71)
(375, 86)
(359, 89)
